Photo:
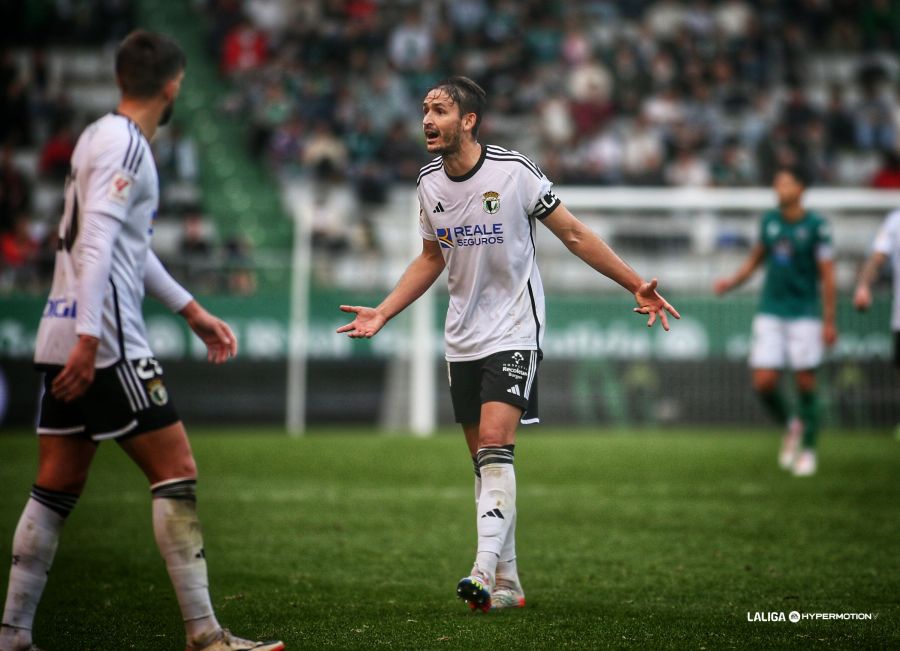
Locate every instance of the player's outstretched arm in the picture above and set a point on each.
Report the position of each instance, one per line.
(588, 246)
(757, 255)
(862, 297)
(221, 344)
(418, 277)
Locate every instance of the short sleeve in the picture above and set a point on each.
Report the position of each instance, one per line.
(886, 234)
(426, 230)
(115, 158)
(824, 247)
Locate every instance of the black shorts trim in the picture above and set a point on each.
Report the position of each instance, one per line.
(507, 376)
(125, 399)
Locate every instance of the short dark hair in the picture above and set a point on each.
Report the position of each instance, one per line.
(469, 96)
(146, 61)
(799, 172)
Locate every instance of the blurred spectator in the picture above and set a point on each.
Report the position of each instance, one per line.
(733, 166)
(56, 154)
(874, 120)
(688, 170)
(241, 277)
(15, 114)
(888, 176)
(176, 154)
(334, 210)
(15, 189)
(196, 240)
(18, 253)
(244, 48)
(411, 42)
(196, 251)
(402, 154)
(643, 154)
(839, 124)
(324, 146)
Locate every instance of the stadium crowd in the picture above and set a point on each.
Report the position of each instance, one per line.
(660, 92)
(640, 92)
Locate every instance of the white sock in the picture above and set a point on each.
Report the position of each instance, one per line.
(496, 506)
(34, 546)
(506, 564)
(180, 541)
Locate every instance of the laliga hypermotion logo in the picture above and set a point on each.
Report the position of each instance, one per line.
(445, 237)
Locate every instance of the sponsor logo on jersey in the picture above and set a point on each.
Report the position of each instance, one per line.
(490, 201)
(61, 308)
(470, 235)
(119, 188)
(445, 237)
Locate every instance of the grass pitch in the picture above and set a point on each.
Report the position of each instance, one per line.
(353, 541)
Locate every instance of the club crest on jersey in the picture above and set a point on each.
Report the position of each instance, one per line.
(119, 188)
(490, 201)
(157, 392)
(445, 237)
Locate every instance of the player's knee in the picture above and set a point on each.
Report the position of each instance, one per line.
(493, 437)
(71, 482)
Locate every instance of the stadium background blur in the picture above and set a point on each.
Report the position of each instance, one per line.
(321, 98)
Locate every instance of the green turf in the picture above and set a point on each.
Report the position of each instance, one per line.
(356, 541)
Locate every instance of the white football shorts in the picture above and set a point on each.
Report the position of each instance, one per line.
(778, 341)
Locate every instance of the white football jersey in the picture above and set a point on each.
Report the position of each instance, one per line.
(484, 222)
(887, 241)
(112, 173)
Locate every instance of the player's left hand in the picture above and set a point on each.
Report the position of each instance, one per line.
(829, 334)
(650, 302)
(78, 373)
(221, 343)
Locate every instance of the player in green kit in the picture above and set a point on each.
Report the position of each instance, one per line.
(795, 319)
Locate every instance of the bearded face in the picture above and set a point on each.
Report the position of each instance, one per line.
(441, 123)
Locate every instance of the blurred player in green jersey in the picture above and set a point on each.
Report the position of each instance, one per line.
(795, 320)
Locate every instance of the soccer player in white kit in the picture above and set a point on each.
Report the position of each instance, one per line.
(478, 205)
(885, 247)
(101, 381)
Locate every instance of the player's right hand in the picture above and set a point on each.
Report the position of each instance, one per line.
(78, 373)
(367, 323)
(862, 298)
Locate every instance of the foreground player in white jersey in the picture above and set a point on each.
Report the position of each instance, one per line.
(101, 380)
(478, 205)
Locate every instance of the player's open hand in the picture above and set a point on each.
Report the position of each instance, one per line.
(650, 302)
(221, 343)
(367, 323)
(862, 298)
(78, 373)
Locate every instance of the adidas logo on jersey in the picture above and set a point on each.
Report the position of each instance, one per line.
(496, 513)
(438, 208)
(514, 389)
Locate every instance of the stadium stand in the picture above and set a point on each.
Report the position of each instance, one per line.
(631, 93)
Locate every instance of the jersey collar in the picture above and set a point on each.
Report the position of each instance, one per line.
(136, 125)
(468, 175)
